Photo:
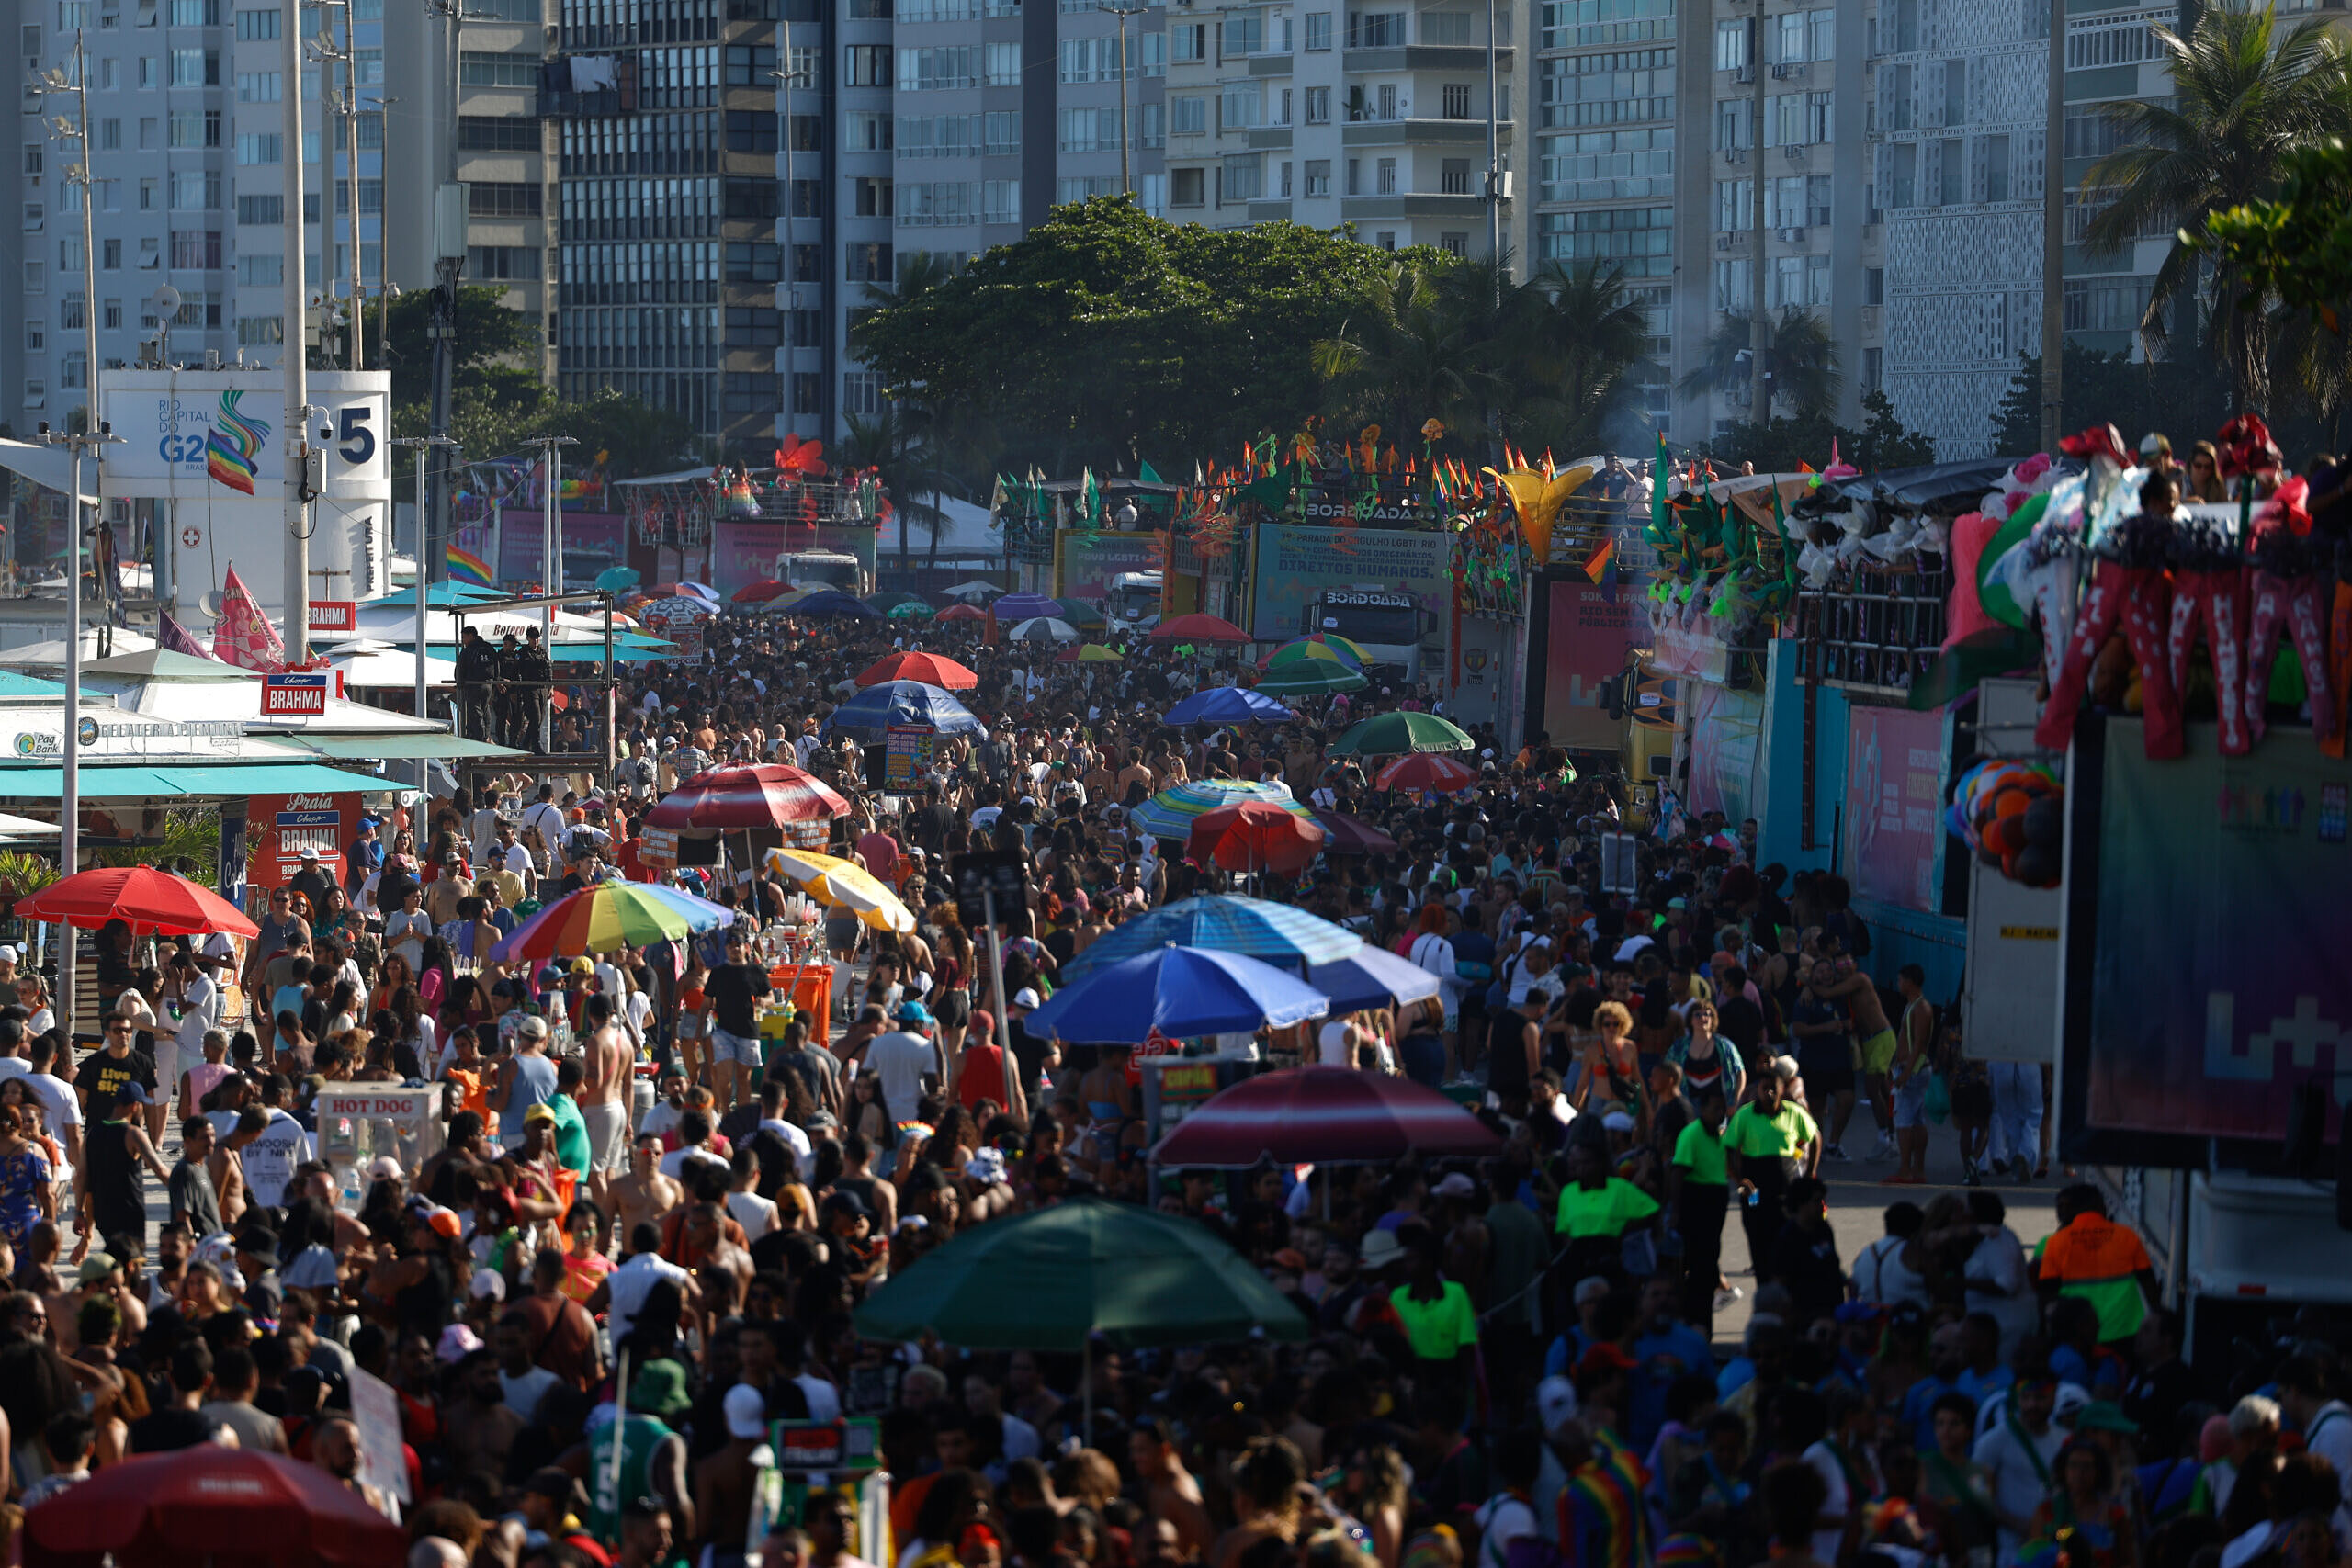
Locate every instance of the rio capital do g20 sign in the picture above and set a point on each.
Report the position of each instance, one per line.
(221, 434)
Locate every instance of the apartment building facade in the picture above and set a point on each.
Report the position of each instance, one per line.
(1373, 116)
(187, 132)
(1966, 92)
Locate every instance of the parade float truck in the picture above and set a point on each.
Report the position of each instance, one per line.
(1387, 623)
(2204, 1016)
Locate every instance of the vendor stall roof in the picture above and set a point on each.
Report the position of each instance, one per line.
(405, 748)
(221, 783)
(15, 688)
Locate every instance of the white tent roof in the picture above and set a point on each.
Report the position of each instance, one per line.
(50, 655)
(370, 662)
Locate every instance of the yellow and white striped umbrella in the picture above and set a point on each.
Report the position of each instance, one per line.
(839, 884)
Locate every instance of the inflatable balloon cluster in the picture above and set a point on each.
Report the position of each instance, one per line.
(2013, 816)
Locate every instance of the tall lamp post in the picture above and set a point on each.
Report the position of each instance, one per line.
(1127, 179)
(420, 444)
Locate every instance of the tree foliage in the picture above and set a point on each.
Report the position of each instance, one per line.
(498, 349)
(2245, 94)
(1884, 442)
(2182, 398)
(1104, 335)
(1800, 356)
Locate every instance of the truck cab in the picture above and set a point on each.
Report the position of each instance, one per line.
(1386, 624)
(1132, 602)
(824, 568)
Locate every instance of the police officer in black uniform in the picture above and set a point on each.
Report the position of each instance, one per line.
(533, 675)
(477, 673)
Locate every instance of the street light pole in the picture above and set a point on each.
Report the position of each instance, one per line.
(419, 444)
(1127, 179)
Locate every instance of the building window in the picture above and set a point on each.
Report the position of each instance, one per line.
(195, 68)
(1445, 27)
(1190, 116)
(808, 392)
(256, 27)
(1454, 177)
(1953, 185)
(196, 249)
(1385, 177)
(1187, 187)
(1376, 29)
(254, 210)
(1905, 157)
(1874, 370)
(748, 64)
(1003, 65)
(1997, 168)
(194, 129)
(1318, 176)
(868, 262)
(1454, 244)
(257, 331)
(873, 197)
(480, 68)
(1731, 43)
(1821, 28)
(1735, 205)
(1455, 98)
(262, 272)
(493, 198)
(1874, 286)
(751, 131)
(1318, 105)
(72, 313)
(1318, 30)
(493, 133)
(253, 147)
(752, 262)
(502, 264)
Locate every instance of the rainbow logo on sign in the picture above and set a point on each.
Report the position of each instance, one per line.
(235, 440)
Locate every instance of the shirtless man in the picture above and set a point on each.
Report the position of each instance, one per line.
(609, 1064)
(479, 1425)
(226, 1163)
(644, 1195)
(1175, 1495)
(1876, 1036)
(726, 1481)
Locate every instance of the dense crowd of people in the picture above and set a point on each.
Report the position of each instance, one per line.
(648, 1214)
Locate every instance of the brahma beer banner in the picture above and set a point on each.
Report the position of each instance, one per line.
(279, 828)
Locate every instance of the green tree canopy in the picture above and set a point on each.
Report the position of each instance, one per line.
(498, 349)
(1884, 442)
(1104, 334)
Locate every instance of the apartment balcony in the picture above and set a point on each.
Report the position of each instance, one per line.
(1415, 204)
(1269, 65)
(1423, 57)
(1399, 132)
(602, 103)
(1270, 138)
(1274, 211)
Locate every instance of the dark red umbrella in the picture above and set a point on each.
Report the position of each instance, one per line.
(1353, 836)
(1198, 627)
(1327, 1115)
(769, 794)
(148, 899)
(219, 1507)
(1254, 835)
(962, 613)
(1426, 771)
(760, 593)
(929, 668)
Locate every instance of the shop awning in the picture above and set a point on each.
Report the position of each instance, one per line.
(404, 748)
(139, 784)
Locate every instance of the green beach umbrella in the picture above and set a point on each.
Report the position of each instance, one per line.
(1394, 734)
(1087, 1268)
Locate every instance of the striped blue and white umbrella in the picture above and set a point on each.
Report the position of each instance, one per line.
(1255, 928)
(1169, 814)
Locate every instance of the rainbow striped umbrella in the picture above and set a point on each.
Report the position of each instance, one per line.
(1319, 647)
(1310, 678)
(1169, 814)
(609, 916)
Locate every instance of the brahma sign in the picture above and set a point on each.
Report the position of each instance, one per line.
(279, 828)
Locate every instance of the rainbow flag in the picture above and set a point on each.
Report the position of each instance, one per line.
(466, 566)
(1597, 562)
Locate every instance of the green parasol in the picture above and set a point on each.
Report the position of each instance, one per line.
(1048, 1281)
(912, 609)
(1309, 678)
(1394, 734)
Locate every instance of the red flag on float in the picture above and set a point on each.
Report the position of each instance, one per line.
(242, 635)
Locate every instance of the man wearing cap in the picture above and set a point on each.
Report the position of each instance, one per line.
(905, 1058)
(726, 1481)
(733, 987)
(526, 1078)
(312, 881)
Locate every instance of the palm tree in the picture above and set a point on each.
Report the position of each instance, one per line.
(2240, 97)
(1583, 355)
(1801, 362)
(1409, 353)
(897, 444)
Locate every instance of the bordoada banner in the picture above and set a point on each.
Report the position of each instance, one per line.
(189, 435)
(1293, 565)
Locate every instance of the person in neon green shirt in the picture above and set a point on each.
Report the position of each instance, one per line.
(1596, 1211)
(1699, 1182)
(1771, 1140)
(1435, 1312)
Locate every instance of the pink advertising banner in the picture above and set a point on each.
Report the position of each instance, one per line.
(1895, 783)
(1585, 645)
